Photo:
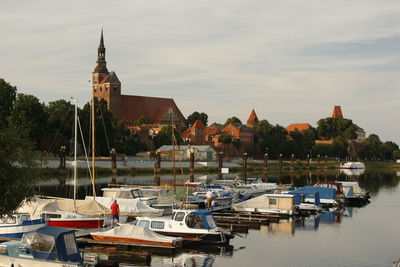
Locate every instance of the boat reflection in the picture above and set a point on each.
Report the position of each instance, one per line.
(352, 172)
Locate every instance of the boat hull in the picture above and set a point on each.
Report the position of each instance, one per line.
(135, 240)
(16, 231)
(76, 223)
(21, 262)
(219, 238)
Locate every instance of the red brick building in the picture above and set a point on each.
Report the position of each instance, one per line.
(129, 108)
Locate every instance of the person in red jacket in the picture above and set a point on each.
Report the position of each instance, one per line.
(114, 212)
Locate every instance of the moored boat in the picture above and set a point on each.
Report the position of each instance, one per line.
(15, 225)
(71, 220)
(352, 165)
(283, 204)
(47, 246)
(191, 225)
(134, 234)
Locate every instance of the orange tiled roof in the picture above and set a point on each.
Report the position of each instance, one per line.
(186, 133)
(231, 130)
(328, 142)
(152, 107)
(337, 112)
(253, 117)
(298, 126)
(198, 124)
(212, 130)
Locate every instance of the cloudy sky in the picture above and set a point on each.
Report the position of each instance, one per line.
(291, 61)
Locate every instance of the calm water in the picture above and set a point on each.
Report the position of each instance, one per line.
(367, 236)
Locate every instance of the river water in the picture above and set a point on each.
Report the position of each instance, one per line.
(366, 236)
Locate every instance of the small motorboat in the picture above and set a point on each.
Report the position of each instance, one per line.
(352, 165)
(281, 204)
(191, 225)
(47, 246)
(134, 234)
(15, 225)
(327, 196)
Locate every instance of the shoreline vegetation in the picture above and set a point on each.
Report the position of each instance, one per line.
(252, 168)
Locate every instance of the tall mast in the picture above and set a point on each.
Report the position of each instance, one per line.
(75, 149)
(93, 154)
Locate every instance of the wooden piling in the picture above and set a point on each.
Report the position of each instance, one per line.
(191, 168)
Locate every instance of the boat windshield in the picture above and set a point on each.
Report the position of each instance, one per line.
(210, 221)
(39, 242)
(136, 193)
(194, 221)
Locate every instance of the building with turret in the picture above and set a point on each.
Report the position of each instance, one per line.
(129, 108)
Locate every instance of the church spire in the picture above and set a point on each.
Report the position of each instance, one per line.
(101, 64)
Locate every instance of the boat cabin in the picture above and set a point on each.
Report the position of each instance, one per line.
(14, 219)
(193, 220)
(337, 186)
(268, 203)
(45, 244)
(128, 193)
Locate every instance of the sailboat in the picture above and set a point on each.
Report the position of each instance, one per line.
(73, 219)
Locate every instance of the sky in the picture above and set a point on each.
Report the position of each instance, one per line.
(291, 61)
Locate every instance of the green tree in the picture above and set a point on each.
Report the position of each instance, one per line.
(225, 139)
(164, 137)
(370, 147)
(60, 124)
(334, 127)
(29, 115)
(203, 117)
(233, 120)
(7, 98)
(142, 120)
(17, 164)
(110, 132)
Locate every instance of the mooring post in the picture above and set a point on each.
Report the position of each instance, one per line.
(220, 164)
(266, 167)
(113, 166)
(319, 161)
(280, 168)
(292, 161)
(245, 156)
(191, 167)
(62, 157)
(157, 168)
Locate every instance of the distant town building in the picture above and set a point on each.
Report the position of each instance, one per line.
(337, 112)
(205, 152)
(298, 126)
(129, 108)
(252, 121)
(195, 135)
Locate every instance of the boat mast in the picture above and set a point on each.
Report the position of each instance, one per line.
(93, 155)
(75, 149)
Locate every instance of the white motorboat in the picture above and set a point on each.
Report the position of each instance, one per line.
(15, 225)
(269, 203)
(352, 165)
(130, 233)
(191, 225)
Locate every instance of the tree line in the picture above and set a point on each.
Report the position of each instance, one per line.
(48, 127)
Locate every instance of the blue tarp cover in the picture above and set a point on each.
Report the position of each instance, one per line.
(324, 193)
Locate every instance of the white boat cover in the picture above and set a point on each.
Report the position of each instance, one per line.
(260, 202)
(136, 232)
(131, 207)
(35, 206)
(38, 205)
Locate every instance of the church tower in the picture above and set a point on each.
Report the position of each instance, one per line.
(106, 85)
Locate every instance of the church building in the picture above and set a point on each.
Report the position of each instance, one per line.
(129, 108)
